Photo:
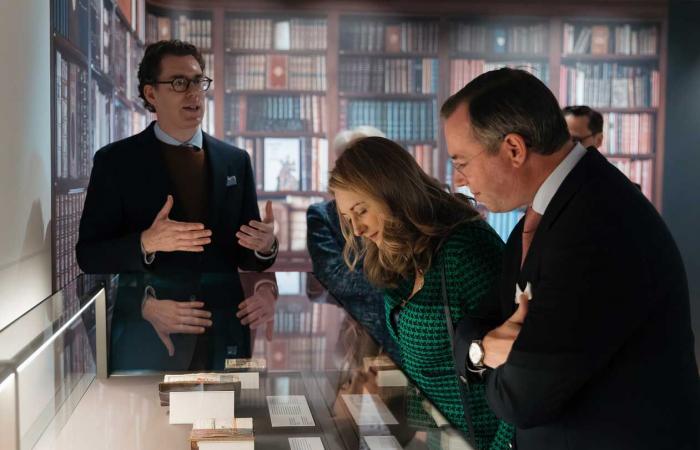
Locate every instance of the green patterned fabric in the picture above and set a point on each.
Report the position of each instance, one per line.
(472, 260)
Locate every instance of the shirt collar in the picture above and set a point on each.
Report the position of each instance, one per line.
(551, 185)
(162, 136)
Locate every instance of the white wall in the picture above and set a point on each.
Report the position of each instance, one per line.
(25, 156)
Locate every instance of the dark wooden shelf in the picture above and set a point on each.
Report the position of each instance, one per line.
(568, 58)
(268, 51)
(268, 92)
(387, 96)
(127, 24)
(64, 185)
(629, 155)
(69, 50)
(389, 54)
(275, 134)
(496, 57)
(101, 77)
(119, 95)
(635, 110)
(610, 21)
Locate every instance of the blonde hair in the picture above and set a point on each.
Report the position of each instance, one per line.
(420, 214)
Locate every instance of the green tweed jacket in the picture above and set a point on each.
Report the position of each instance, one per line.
(472, 260)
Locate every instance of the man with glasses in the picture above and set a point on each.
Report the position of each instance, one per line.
(173, 198)
(585, 125)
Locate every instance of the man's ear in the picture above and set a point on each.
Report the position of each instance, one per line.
(149, 93)
(515, 148)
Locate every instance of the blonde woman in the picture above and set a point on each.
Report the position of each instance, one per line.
(412, 232)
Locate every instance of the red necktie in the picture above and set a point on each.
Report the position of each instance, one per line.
(532, 220)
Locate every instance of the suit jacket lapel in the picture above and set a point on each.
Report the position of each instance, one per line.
(566, 191)
(218, 170)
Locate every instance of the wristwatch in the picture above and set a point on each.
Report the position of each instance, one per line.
(476, 355)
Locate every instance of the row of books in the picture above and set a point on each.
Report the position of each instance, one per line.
(376, 36)
(628, 134)
(127, 121)
(209, 67)
(73, 157)
(503, 223)
(101, 116)
(293, 318)
(120, 63)
(70, 20)
(270, 34)
(391, 76)
(302, 113)
(275, 71)
(68, 209)
(462, 71)
(287, 164)
(639, 171)
(290, 225)
(196, 31)
(209, 118)
(100, 31)
(308, 353)
(400, 120)
(480, 38)
(427, 157)
(605, 39)
(609, 85)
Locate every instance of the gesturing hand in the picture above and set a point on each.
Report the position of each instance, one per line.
(257, 309)
(499, 341)
(170, 317)
(167, 235)
(259, 236)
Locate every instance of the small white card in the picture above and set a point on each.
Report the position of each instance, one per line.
(382, 443)
(289, 411)
(391, 378)
(188, 407)
(306, 443)
(369, 409)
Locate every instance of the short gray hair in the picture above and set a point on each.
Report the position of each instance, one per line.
(507, 101)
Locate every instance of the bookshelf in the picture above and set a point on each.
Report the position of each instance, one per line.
(275, 107)
(288, 79)
(95, 47)
(615, 66)
(388, 77)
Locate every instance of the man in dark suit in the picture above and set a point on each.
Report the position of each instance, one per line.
(598, 350)
(173, 198)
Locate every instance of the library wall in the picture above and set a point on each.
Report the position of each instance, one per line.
(25, 159)
(682, 161)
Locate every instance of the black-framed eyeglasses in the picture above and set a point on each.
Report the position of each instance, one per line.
(182, 84)
(577, 140)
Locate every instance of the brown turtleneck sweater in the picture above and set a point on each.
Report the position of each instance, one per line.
(189, 174)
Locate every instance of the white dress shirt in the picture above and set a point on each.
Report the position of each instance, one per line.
(556, 178)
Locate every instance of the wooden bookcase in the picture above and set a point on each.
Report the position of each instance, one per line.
(353, 45)
(95, 49)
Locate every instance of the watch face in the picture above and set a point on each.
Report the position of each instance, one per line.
(475, 353)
